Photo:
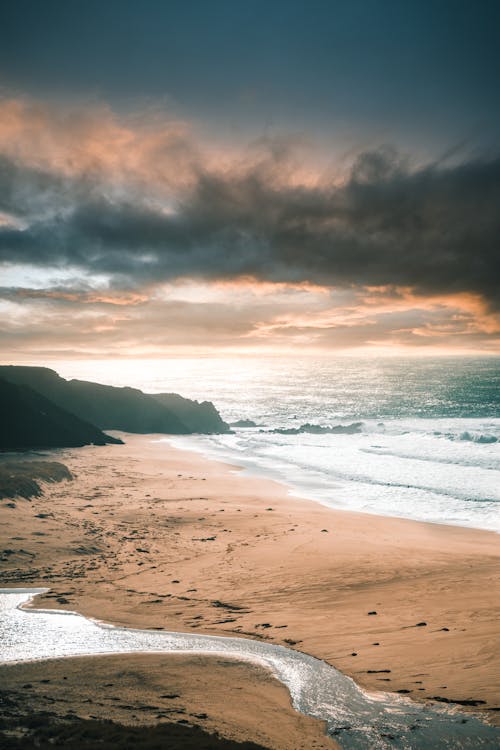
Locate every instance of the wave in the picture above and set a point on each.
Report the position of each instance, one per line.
(484, 439)
(475, 461)
(316, 429)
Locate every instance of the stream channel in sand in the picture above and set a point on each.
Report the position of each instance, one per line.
(358, 720)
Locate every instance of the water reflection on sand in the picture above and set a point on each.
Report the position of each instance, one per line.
(358, 720)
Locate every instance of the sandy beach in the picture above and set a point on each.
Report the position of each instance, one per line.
(153, 537)
(237, 701)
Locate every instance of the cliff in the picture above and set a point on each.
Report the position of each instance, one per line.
(29, 420)
(112, 408)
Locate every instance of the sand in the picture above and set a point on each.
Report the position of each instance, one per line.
(236, 700)
(150, 536)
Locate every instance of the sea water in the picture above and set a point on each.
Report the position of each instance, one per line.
(415, 438)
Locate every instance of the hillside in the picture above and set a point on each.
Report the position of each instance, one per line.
(198, 416)
(29, 420)
(112, 408)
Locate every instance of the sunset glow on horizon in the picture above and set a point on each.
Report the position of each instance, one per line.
(134, 224)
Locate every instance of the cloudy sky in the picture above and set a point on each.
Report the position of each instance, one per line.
(195, 177)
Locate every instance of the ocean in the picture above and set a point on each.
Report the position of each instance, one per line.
(412, 438)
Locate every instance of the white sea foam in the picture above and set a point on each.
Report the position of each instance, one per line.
(404, 468)
(427, 448)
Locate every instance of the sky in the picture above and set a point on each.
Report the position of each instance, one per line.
(217, 178)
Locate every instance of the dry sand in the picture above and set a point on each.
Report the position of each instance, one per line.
(150, 536)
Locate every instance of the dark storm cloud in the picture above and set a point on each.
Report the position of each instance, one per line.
(434, 228)
(28, 191)
(414, 66)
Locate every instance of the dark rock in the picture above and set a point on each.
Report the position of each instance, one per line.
(243, 423)
(226, 605)
(316, 429)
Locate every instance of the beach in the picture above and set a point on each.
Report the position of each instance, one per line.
(148, 536)
(237, 701)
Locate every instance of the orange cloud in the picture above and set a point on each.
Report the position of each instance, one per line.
(469, 307)
(153, 151)
(262, 287)
(159, 158)
(93, 139)
(85, 298)
(231, 316)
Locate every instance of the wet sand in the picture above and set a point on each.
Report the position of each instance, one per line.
(150, 536)
(239, 702)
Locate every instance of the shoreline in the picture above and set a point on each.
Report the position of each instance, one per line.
(156, 691)
(255, 472)
(230, 578)
(356, 719)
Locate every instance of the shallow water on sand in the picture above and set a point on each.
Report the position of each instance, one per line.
(358, 720)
